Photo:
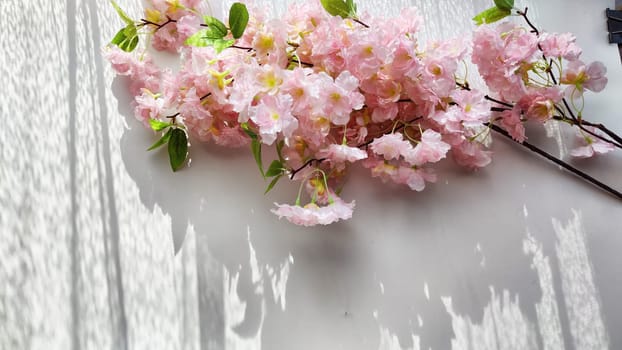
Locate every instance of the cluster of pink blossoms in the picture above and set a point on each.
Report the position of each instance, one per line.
(329, 92)
(531, 74)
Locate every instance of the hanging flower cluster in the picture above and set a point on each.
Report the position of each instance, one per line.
(327, 89)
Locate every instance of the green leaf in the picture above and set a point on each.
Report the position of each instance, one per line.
(256, 149)
(275, 168)
(127, 38)
(163, 140)
(351, 8)
(248, 131)
(121, 13)
(221, 44)
(279, 150)
(209, 37)
(272, 183)
(119, 37)
(336, 8)
(238, 19)
(491, 15)
(213, 22)
(506, 5)
(177, 148)
(159, 125)
(205, 37)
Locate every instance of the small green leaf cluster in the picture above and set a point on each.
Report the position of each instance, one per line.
(502, 9)
(176, 139)
(126, 38)
(341, 8)
(277, 168)
(216, 31)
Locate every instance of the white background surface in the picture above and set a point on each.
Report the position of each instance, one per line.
(519, 255)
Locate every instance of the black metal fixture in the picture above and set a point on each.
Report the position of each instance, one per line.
(614, 25)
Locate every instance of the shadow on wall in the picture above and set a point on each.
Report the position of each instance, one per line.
(347, 277)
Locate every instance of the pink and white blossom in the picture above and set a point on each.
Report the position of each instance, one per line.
(312, 214)
(342, 153)
(430, 149)
(391, 146)
(591, 145)
(273, 115)
(581, 76)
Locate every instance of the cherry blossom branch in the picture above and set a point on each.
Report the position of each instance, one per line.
(173, 116)
(157, 25)
(559, 162)
(615, 140)
(306, 164)
(360, 22)
(364, 144)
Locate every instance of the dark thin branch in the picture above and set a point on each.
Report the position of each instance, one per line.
(499, 109)
(301, 62)
(524, 15)
(359, 22)
(249, 49)
(465, 86)
(604, 129)
(509, 105)
(560, 162)
(582, 127)
(157, 25)
(309, 162)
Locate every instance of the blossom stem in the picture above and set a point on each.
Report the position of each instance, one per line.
(579, 122)
(158, 26)
(524, 15)
(360, 22)
(301, 62)
(509, 105)
(249, 49)
(583, 128)
(559, 162)
(306, 164)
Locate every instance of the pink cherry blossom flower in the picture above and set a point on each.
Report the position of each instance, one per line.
(404, 59)
(301, 85)
(380, 168)
(431, 149)
(342, 153)
(511, 122)
(474, 109)
(471, 155)
(231, 137)
(188, 25)
(270, 43)
(366, 53)
(341, 97)
(311, 214)
(539, 104)
(560, 45)
(580, 76)
(148, 106)
(142, 72)
(191, 106)
(391, 146)
(413, 178)
(591, 145)
(273, 114)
